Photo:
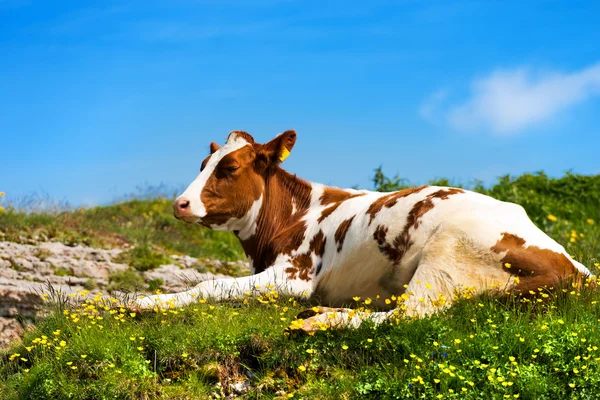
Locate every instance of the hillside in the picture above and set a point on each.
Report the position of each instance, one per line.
(479, 348)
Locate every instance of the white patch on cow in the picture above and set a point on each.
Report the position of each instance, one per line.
(315, 194)
(245, 225)
(194, 190)
(294, 206)
(582, 268)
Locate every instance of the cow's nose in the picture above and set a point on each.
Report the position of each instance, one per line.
(181, 207)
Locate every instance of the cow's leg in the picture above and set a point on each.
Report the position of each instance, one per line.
(453, 263)
(274, 278)
(450, 262)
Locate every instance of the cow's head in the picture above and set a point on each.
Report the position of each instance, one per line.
(228, 192)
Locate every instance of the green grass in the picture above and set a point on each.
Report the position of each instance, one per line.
(148, 224)
(480, 348)
(489, 348)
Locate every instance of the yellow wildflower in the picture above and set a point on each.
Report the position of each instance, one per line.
(552, 218)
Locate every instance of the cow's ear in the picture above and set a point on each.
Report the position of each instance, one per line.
(214, 147)
(279, 148)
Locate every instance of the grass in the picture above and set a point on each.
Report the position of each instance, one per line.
(547, 347)
(479, 348)
(147, 224)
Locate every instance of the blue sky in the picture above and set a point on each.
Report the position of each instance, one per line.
(97, 98)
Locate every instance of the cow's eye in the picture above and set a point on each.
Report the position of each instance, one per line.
(231, 168)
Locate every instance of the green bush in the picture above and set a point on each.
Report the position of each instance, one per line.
(127, 280)
(143, 258)
(155, 284)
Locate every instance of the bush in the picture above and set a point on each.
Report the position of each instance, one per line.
(155, 284)
(125, 281)
(143, 258)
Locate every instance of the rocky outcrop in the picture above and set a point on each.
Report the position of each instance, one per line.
(26, 270)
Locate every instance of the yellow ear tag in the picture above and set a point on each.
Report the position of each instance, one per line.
(284, 154)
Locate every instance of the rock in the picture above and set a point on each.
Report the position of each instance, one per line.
(240, 387)
(177, 279)
(10, 331)
(185, 260)
(26, 270)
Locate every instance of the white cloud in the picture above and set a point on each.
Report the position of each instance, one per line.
(510, 100)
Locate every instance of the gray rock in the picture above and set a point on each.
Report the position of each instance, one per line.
(27, 269)
(177, 279)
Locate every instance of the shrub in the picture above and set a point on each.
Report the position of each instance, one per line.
(155, 284)
(126, 281)
(143, 258)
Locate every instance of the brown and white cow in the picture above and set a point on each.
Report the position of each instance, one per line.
(334, 244)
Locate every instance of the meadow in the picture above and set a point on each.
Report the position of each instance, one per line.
(91, 347)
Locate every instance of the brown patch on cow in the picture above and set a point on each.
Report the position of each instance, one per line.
(319, 267)
(302, 264)
(317, 244)
(341, 231)
(278, 231)
(390, 200)
(336, 198)
(328, 211)
(535, 267)
(396, 250)
(335, 195)
(390, 251)
(301, 267)
(422, 207)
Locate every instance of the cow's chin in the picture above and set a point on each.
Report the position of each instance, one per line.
(190, 219)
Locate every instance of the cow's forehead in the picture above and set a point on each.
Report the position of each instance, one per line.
(233, 143)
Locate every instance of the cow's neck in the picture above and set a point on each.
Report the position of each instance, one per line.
(285, 200)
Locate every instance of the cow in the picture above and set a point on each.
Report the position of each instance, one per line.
(334, 245)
